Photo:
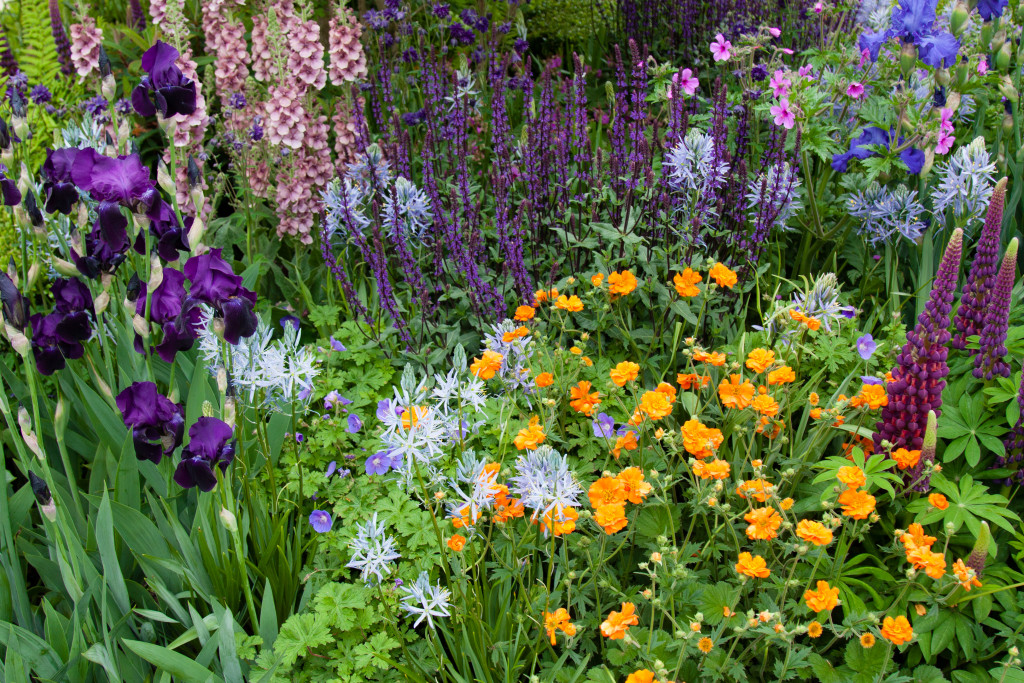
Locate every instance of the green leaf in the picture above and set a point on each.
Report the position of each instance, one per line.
(172, 662)
(108, 555)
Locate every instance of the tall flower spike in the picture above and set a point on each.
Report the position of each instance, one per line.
(1014, 441)
(919, 378)
(976, 298)
(976, 561)
(989, 363)
(60, 39)
(8, 64)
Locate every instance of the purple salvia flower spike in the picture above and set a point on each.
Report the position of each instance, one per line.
(989, 363)
(970, 317)
(919, 377)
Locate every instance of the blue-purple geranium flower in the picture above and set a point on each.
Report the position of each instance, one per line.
(320, 521)
(209, 446)
(382, 462)
(157, 423)
(165, 88)
(866, 346)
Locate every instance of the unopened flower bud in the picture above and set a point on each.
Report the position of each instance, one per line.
(49, 511)
(141, 326)
(101, 302)
(1003, 57)
(222, 380)
(60, 416)
(18, 340)
(227, 519)
(195, 233)
(156, 272)
(65, 268)
(958, 18)
(163, 178)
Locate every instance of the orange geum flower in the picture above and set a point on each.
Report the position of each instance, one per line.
(539, 297)
(787, 503)
(915, 537)
(606, 491)
(736, 393)
(457, 542)
(582, 400)
(766, 405)
(813, 532)
(812, 398)
(709, 357)
(758, 489)
(597, 279)
(898, 630)
(575, 350)
(764, 523)
(716, 469)
(612, 517)
(486, 366)
(700, 440)
(967, 576)
(641, 676)
(620, 284)
(705, 644)
(814, 629)
(852, 476)
(722, 275)
(655, 405)
(867, 641)
(906, 459)
(517, 333)
(871, 395)
(625, 371)
(531, 436)
(667, 389)
(933, 564)
(938, 501)
(636, 489)
(572, 303)
(524, 313)
(626, 441)
(753, 566)
(688, 381)
(783, 375)
(686, 283)
(617, 623)
(562, 520)
(824, 599)
(857, 504)
(558, 620)
(760, 360)
(544, 379)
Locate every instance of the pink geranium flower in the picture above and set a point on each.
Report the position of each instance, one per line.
(686, 81)
(779, 83)
(774, 32)
(720, 48)
(819, 7)
(784, 116)
(855, 90)
(983, 67)
(805, 71)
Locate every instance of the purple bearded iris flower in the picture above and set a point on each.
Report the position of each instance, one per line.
(158, 424)
(59, 188)
(873, 135)
(10, 195)
(913, 22)
(213, 282)
(165, 227)
(990, 9)
(209, 446)
(58, 336)
(165, 88)
(166, 309)
(123, 180)
(105, 245)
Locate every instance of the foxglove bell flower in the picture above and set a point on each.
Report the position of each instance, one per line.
(58, 187)
(209, 446)
(919, 378)
(989, 363)
(977, 294)
(165, 88)
(157, 423)
(213, 282)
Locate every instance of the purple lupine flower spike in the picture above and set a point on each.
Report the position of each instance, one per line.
(919, 378)
(136, 17)
(60, 39)
(989, 363)
(8, 64)
(976, 298)
(1014, 441)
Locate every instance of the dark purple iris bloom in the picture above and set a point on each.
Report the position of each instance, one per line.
(99, 257)
(214, 282)
(990, 9)
(59, 188)
(604, 426)
(122, 179)
(12, 303)
(167, 309)
(382, 462)
(414, 118)
(873, 135)
(157, 423)
(165, 88)
(58, 336)
(164, 226)
(209, 446)
(913, 18)
(9, 191)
